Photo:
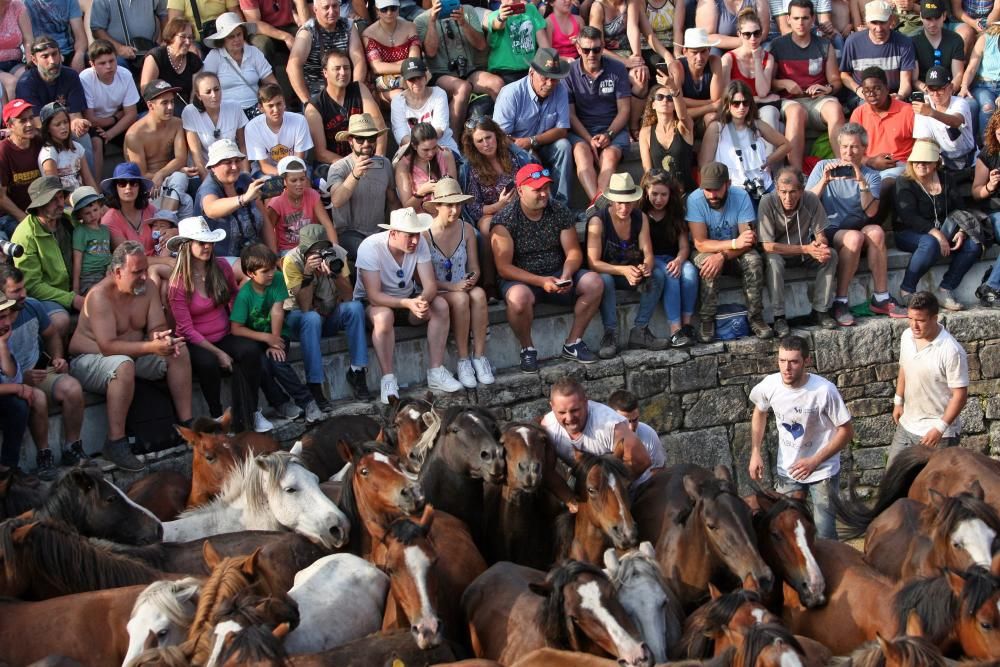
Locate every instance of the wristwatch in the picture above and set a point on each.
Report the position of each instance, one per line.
(307, 280)
(534, 142)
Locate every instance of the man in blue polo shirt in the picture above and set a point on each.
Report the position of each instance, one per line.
(534, 112)
(880, 46)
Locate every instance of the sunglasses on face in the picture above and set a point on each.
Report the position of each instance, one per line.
(129, 184)
(751, 35)
(662, 97)
(740, 103)
(389, 9)
(594, 50)
(365, 140)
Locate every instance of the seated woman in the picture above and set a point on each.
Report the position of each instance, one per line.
(620, 249)
(620, 22)
(422, 165)
(981, 80)
(15, 35)
(753, 65)
(666, 140)
(743, 142)
(209, 118)
(420, 103)
(241, 67)
(663, 208)
(175, 62)
(455, 258)
(563, 26)
(388, 42)
(986, 188)
(718, 19)
(926, 198)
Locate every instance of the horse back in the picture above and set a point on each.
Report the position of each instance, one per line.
(502, 612)
(163, 492)
(319, 446)
(380, 649)
(952, 470)
(662, 499)
(890, 536)
(551, 657)
(459, 564)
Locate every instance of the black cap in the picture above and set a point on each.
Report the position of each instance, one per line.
(548, 63)
(413, 68)
(932, 9)
(938, 77)
(157, 87)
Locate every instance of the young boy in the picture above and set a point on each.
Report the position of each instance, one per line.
(164, 224)
(258, 314)
(111, 98)
(275, 133)
(91, 239)
(299, 205)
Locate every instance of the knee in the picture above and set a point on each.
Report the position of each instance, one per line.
(477, 296)
(658, 275)
(311, 321)
(382, 320)
(69, 390)
(593, 284)
(458, 300)
(463, 91)
(353, 311)
(519, 300)
(608, 281)
(795, 114)
(439, 308)
(689, 272)
(852, 241)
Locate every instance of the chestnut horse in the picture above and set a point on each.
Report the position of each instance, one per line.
(786, 536)
(898, 652)
(573, 607)
(702, 530)
(705, 630)
(415, 426)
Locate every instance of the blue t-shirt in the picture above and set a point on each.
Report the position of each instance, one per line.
(66, 90)
(596, 100)
(895, 56)
(24, 341)
(242, 227)
(51, 17)
(842, 198)
(723, 224)
(521, 113)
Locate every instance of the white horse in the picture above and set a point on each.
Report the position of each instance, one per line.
(641, 590)
(267, 492)
(164, 608)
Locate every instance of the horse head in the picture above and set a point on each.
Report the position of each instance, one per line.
(766, 645)
(602, 498)
(415, 426)
(164, 611)
(962, 528)
(978, 623)
(249, 629)
(898, 652)
(379, 487)
(470, 439)
(786, 535)
(214, 454)
(526, 447)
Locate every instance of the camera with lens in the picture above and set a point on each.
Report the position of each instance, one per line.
(755, 188)
(332, 261)
(458, 65)
(272, 187)
(11, 249)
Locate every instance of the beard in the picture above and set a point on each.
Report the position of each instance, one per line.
(139, 290)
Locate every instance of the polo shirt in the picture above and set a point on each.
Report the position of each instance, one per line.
(142, 15)
(930, 374)
(895, 56)
(950, 48)
(805, 66)
(66, 90)
(596, 99)
(892, 133)
(723, 224)
(521, 113)
(513, 47)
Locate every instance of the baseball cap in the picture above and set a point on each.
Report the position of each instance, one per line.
(877, 10)
(937, 77)
(532, 175)
(932, 9)
(157, 87)
(290, 163)
(414, 68)
(14, 108)
(382, 4)
(714, 175)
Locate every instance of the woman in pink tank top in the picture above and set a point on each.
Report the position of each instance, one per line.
(563, 28)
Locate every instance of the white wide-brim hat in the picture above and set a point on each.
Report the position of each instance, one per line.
(697, 38)
(409, 221)
(194, 229)
(224, 25)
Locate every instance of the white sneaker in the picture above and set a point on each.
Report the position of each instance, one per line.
(389, 387)
(289, 411)
(484, 370)
(439, 378)
(466, 374)
(313, 413)
(260, 424)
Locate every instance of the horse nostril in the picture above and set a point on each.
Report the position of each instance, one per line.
(484, 455)
(338, 535)
(405, 492)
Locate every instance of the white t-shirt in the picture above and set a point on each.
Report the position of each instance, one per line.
(807, 418)
(925, 127)
(651, 441)
(374, 255)
(598, 437)
(929, 376)
(67, 162)
(253, 67)
(434, 111)
(231, 119)
(266, 146)
(107, 99)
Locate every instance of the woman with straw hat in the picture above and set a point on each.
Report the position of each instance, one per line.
(620, 249)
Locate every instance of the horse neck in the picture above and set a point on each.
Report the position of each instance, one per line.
(696, 559)
(589, 541)
(449, 489)
(215, 519)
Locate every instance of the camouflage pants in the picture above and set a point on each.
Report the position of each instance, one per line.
(750, 266)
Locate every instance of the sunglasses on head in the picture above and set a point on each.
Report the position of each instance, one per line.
(365, 140)
(44, 46)
(544, 173)
(740, 103)
(752, 34)
(476, 121)
(594, 50)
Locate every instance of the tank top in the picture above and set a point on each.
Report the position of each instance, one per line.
(617, 251)
(736, 74)
(323, 41)
(170, 75)
(989, 70)
(614, 34)
(450, 268)
(563, 43)
(752, 147)
(696, 90)
(661, 20)
(727, 19)
(10, 32)
(335, 116)
(419, 176)
(675, 158)
(664, 243)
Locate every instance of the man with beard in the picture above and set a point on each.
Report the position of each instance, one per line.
(720, 218)
(19, 402)
(46, 370)
(122, 334)
(329, 110)
(362, 187)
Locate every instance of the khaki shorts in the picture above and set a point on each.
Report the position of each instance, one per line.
(95, 371)
(48, 385)
(813, 107)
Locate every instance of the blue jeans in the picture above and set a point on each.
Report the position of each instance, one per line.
(308, 328)
(558, 157)
(679, 294)
(994, 279)
(13, 424)
(821, 494)
(985, 94)
(647, 299)
(926, 251)
(279, 381)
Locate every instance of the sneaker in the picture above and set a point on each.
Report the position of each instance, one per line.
(609, 345)
(887, 306)
(760, 329)
(119, 453)
(313, 413)
(289, 411)
(260, 424)
(358, 382)
(483, 369)
(904, 298)
(529, 360)
(46, 465)
(681, 337)
(389, 388)
(706, 330)
(440, 379)
(597, 206)
(948, 300)
(781, 328)
(316, 389)
(641, 338)
(988, 297)
(578, 351)
(823, 320)
(841, 313)
(466, 373)
(74, 455)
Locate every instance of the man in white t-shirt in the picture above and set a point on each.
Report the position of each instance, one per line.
(275, 133)
(387, 264)
(578, 424)
(933, 382)
(626, 404)
(813, 426)
(111, 98)
(947, 119)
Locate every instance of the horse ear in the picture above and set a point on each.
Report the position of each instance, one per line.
(250, 564)
(619, 450)
(976, 489)
(750, 584)
(714, 591)
(936, 498)
(722, 472)
(914, 626)
(691, 487)
(282, 630)
(543, 589)
(82, 479)
(211, 556)
(427, 518)
(19, 534)
(380, 436)
(188, 434)
(956, 582)
(226, 420)
(578, 455)
(345, 451)
(791, 597)
(611, 561)
(646, 549)
(884, 646)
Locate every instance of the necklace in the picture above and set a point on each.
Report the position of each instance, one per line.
(135, 226)
(177, 63)
(392, 36)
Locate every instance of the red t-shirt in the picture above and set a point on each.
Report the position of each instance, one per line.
(276, 13)
(18, 168)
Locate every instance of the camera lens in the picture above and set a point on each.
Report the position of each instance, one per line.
(11, 249)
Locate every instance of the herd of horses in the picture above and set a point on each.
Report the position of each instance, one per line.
(446, 537)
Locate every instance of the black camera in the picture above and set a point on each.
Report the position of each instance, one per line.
(458, 65)
(272, 187)
(332, 261)
(754, 187)
(11, 249)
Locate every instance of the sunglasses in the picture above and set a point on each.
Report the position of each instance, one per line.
(217, 133)
(751, 35)
(740, 103)
(937, 56)
(662, 97)
(389, 9)
(476, 121)
(364, 140)
(402, 283)
(129, 183)
(447, 270)
(544, 173)
(594, 50)
(45, 46)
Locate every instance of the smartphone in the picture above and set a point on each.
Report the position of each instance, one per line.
(449, 6)
(517, 8)
(507, 188)
(376, 163)
(563, 283)
(916, 96)
(843, 171)
(44, 360)
(470, 275)
(663, 68)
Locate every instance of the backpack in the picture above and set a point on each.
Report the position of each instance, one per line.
(151, 417)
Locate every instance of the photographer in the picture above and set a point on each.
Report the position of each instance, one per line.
(945, 118)
(321, 304)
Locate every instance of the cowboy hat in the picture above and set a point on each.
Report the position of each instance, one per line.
(448, 191)
(407, 220)
(697, 38)
(360, 125)
(194, 229)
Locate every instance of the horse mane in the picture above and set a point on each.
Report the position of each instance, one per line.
(63, 502)
(169, 597)
(914, 652)
(406, 531)
(933, 602)
(551, 614)
(67, 562)
(980, 585)
(19, 494)
(153, 555)
(709, 619)
(782, 504)
(956, 509)
(760, 636)
(637, 564)
(255, 643)
(711, 488)
(165, 656)
(249, 480)
(423, 446)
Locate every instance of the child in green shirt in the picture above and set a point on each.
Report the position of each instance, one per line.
(91, 240)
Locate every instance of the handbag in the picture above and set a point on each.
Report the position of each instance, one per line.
(731, 322)
(253, 110)
(206, 29)
(141, 45)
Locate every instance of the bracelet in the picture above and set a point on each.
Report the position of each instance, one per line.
(992, 192)
(357, 178)
(239, 201)
(897, 400)
(941, 425)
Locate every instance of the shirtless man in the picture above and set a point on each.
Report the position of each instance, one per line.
(157, 144)
(122, 334)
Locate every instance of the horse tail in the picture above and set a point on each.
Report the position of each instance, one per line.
(895, 484)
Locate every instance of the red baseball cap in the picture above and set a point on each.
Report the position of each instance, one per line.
(14, 108)
(532, 175)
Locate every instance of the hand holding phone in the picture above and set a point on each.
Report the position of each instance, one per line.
(564, 283)
(517, 8)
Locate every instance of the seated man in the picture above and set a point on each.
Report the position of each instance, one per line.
(599, 94)
(882, 47)
(850, 190)
(145, 21)
(513, 37)
(626, 404)
(538, 258)
(937, 45)
(325, 31)
(388, 263)
(122, 334)
(275, 133)
(720, 218)
(808, 79)
(158, 144)
(18, 163)
(276, 28)
(321, 303)
(947, 119)
(31, 326)
(111, 98)
(20, 403)
(791, 231)
(534, 113)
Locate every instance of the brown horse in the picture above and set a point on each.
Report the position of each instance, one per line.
(702, 530)
(321, 447)
(163, 492)
(573, 607)
(786, 536)
(898, 652)
(415, 426)
(20, 493)
(705, 630)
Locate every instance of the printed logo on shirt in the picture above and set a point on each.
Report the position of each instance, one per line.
(606, 87)
(815, 66)
(25, 177)
(280, 151)
(522, 37)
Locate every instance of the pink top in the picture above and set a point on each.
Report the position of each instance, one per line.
(419, 176)
(735, 74)
(197, 317)
(291, 218)
(564, 44)
(119, 226)
(10, 32)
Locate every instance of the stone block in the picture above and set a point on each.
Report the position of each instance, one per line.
(718, 406)
(529, 411)
(711, 348)
(992, 407)
(605, 368)
(855, 347)
(970, 325)
(972, 417)
(707, 447)
(751, 346)
(741, 449)
(662, 412)
(649, 382)
(849, 393)
(977, 443)
(887, 372)
(995, 439)
(556, 370)
(697, 373)
(984, 388)
(857, 377)
(880, 389)
(869, 458)
(510, 388)
(736, 368)
(867, 407)
(659, 358)
(989, 361)
(600, 390)
(873, 431)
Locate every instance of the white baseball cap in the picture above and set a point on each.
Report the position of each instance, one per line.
(290, 163)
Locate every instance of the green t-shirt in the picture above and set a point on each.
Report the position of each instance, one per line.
(253, 309)
(513, 47)
(95, 244)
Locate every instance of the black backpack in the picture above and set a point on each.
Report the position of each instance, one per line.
(151, 417)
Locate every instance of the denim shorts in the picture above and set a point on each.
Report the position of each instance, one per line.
(541, 296)
(620, 141)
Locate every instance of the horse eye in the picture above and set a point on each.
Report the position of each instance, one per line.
(363, 471)
(777, 536)
(162, 633)
(985, 625)
(591, 490)
(291, 489)
(957, 545)
(711, 526)
(210, 459)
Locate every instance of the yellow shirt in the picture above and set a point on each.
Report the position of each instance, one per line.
(208, 9)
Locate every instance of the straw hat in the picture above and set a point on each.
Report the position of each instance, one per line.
(622, 188)
(448, 191)
(360, 125)
(194, 229)
(409, 221)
